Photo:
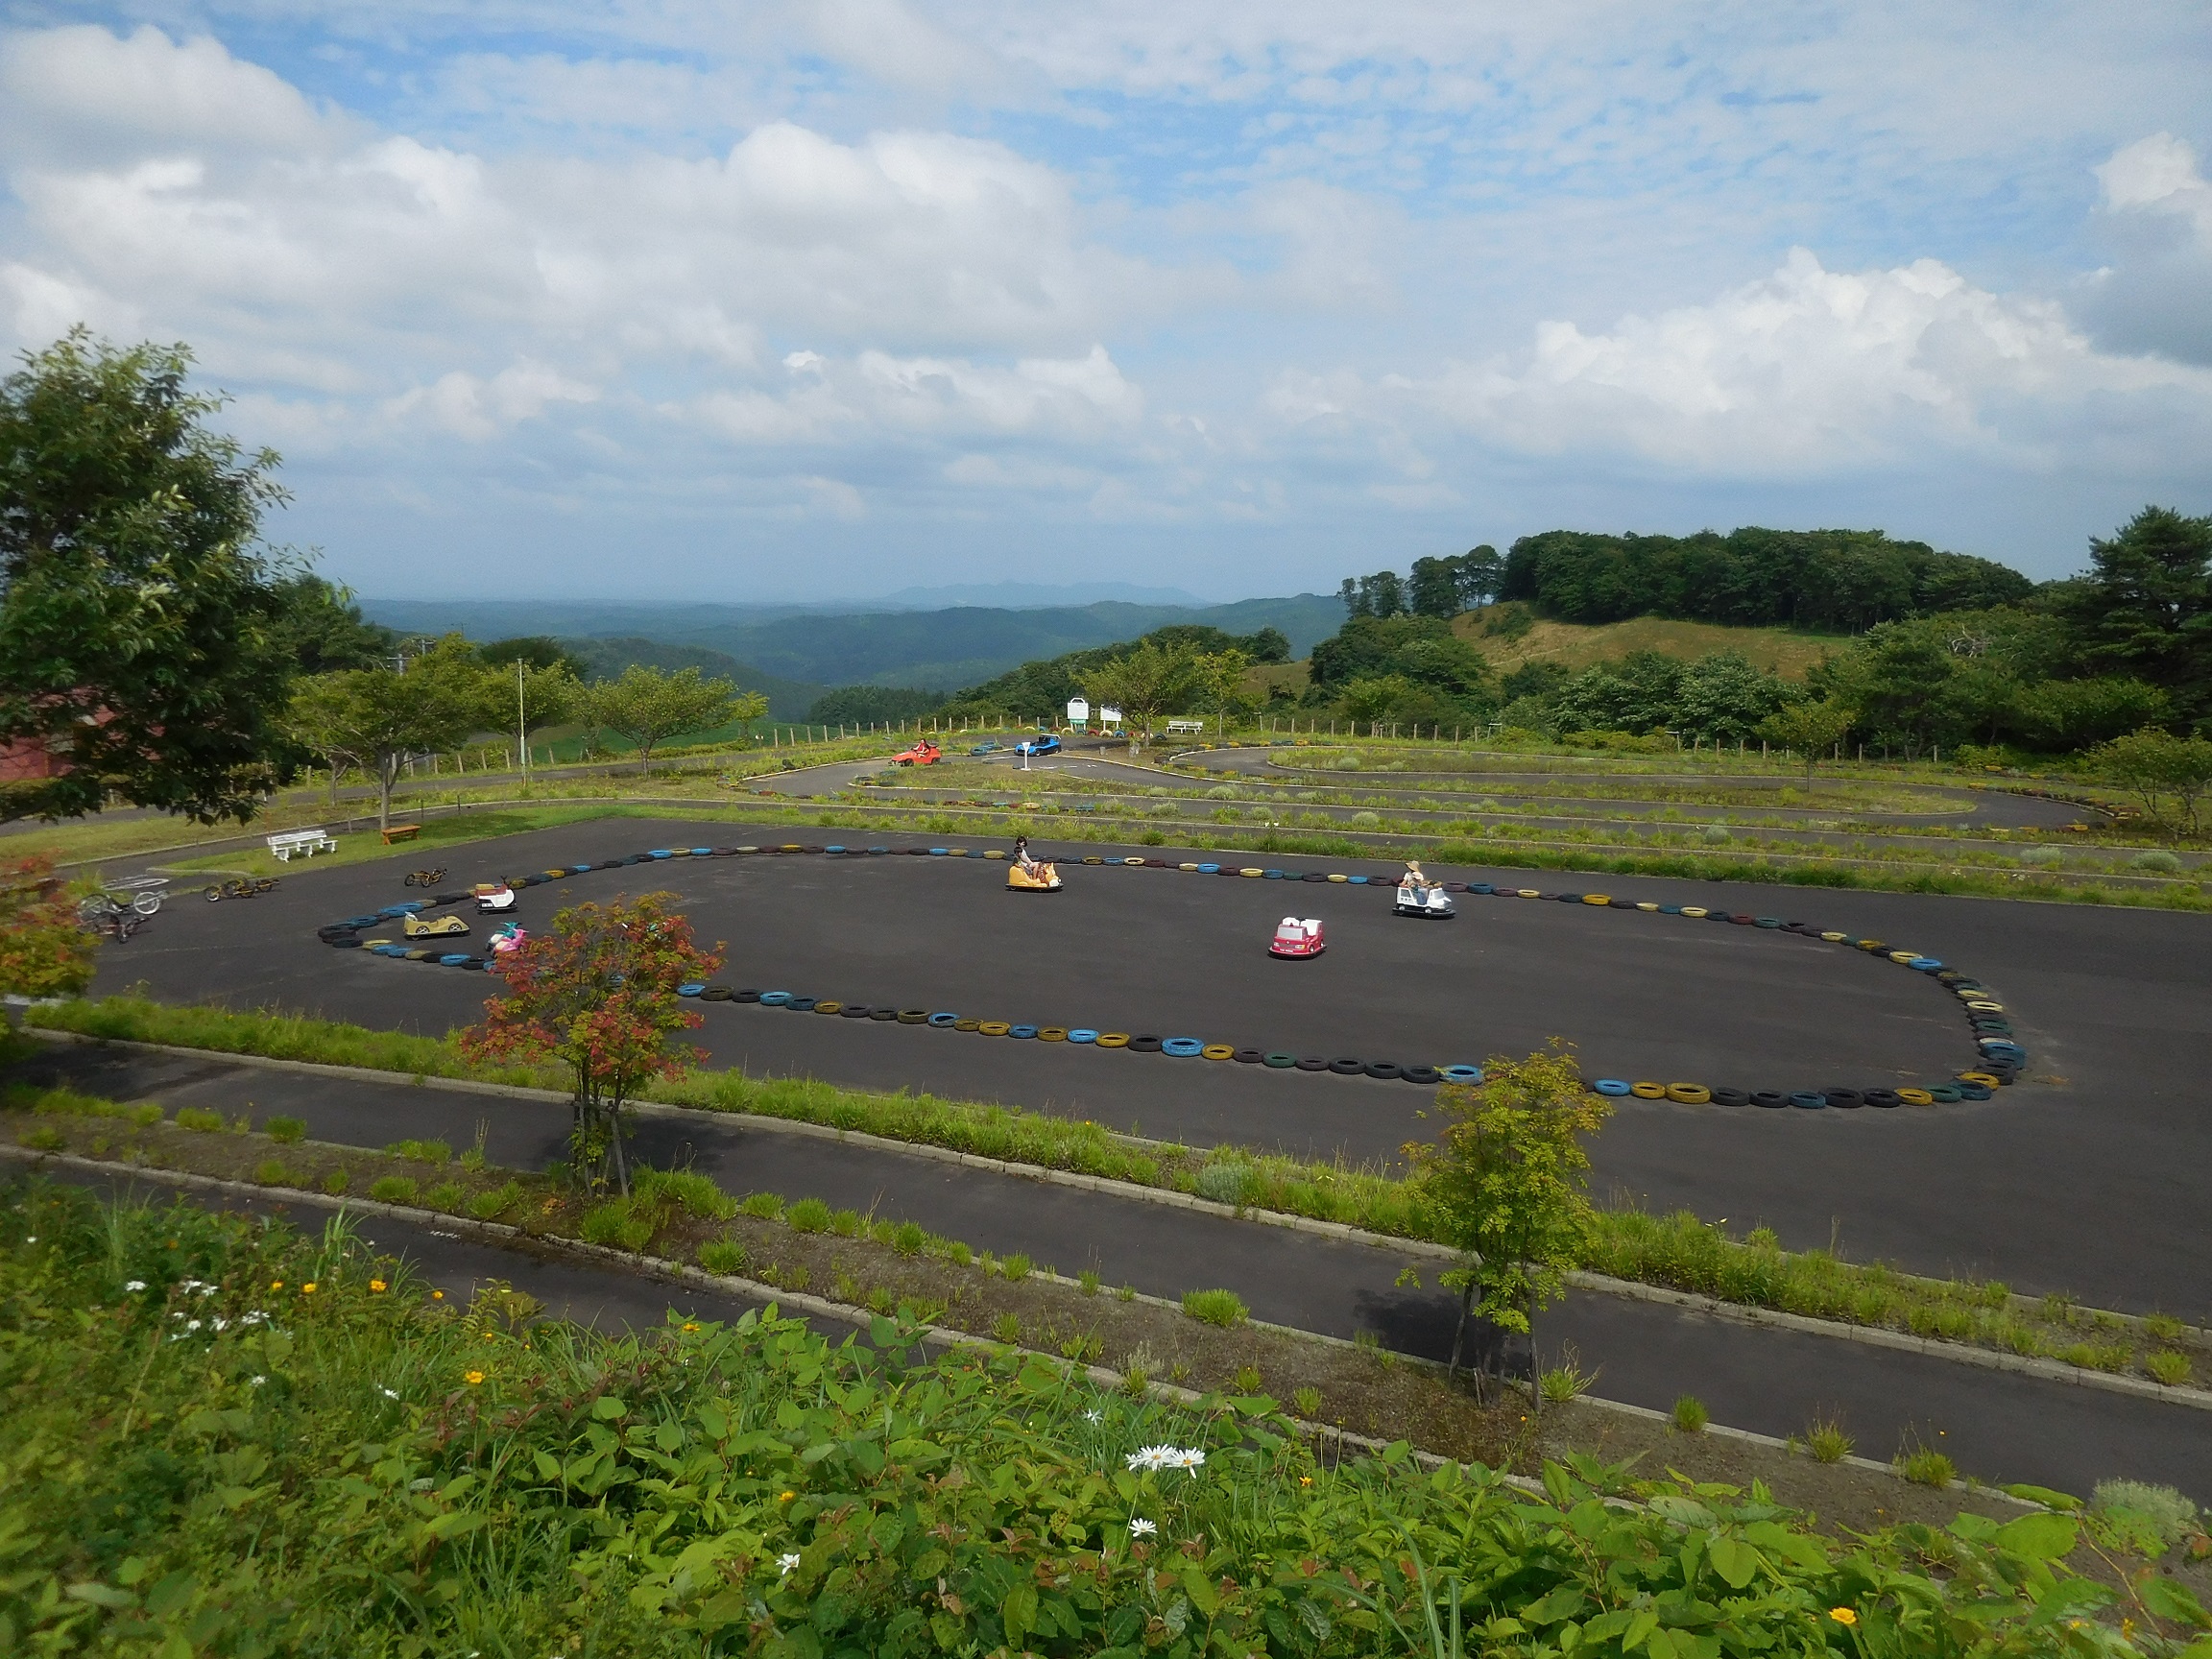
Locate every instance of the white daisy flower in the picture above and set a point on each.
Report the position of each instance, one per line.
(256, 1381)
(134, 1284)
(390, 1393)
(1142, 1529)
(786, 1563)
(1094, 1415)
(191, 1324)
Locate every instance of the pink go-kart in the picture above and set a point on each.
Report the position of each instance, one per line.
(1296, 938)
(507, 941)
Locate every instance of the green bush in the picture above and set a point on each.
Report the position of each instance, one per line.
(145, 1116)
(393, 1190)
(285, 1131)
(1827, 1442)
(2163, 862)
(1363, 819)
(618, 1224)
(336, 1182)
(43, 1138)
(1924, 1467)
(693, 1193)
(199, 1117)
(1016, 1267)
(1228, 1181)
(808, 1215)
(1690, 1415)
(272, 1172)
(908, 1237)
(422, 1151)
(762, 1206)
(496, 1201)
(1222, 1308)
(448, 1196)
(2168, 1515)
(722, 1256)
(2167, 1365)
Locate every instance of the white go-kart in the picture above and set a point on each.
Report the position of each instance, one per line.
(1422, 895)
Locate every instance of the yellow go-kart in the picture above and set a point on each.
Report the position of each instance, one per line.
(1032, 878)
(416, 928)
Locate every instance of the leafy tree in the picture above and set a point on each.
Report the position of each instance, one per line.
(866, 705)
(320, 628)
(1432, 588)
(534, 651)
(2082, 713)
(1918, 684)
(1218, 676)
(1506, 1183)
(1378, 697)
(44, 949)
(2155, 766)
(2145, 607)
(533, 697)
(1638, 694)
(1810, 728)
(596, 991)
(1481, 575)
(140, 617)
(1144, 684)
(1723, 697)
(375, 719)
(649, 706)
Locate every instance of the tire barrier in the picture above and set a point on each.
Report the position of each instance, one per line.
(2000, 1057)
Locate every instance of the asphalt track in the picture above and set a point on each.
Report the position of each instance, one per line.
(2087, 1178)
(2000, 1425)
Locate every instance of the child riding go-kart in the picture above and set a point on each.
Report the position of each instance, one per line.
(1028, 875)
(924, 752)
(1420, 894)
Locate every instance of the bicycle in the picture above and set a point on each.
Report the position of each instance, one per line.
(100, 913)
(251, 887)
(141, 894)
(424, 878)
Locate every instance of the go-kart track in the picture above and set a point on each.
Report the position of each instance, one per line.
(2085, 1176)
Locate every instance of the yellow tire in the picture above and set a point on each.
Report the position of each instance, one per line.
(995, 1027)
(1834, 938)
(1903, 956)
(1526, 893)
(1986, 1007)
(1218, 1052)
(966, 1024)
(1113, 1039)
(1916, 1097)
(1695, 910)
(994, 853)
(1981, 1077)
(1688, 1094)
(1252, 871)
(1188, 869)
(1648, 1090)
(1052, 1034)
(1340, 878)
(829, 1007)
(1647, 905)
(1597, 898)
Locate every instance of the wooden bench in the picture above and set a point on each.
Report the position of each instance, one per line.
(304, 842)
(401, 832)
(1186, 728)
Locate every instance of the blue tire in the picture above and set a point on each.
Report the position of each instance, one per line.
(1022, 1031)
(690, 987)
(1604, 1085)
(944, 1022)
(1082, 1034)
(775, 999)
(1183, 1047)
(1462, 1074)
(1808, 1099)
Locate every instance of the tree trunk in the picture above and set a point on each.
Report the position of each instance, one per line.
(386, 774)
(1459, 1335)
(1535, 1371)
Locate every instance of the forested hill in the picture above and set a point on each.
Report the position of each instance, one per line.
(1842, 581)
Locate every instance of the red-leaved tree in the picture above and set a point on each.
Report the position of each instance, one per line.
(596, 991)
(44, 949)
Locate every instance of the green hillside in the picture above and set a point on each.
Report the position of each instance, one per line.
(1572, 645)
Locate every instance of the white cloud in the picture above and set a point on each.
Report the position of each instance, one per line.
(1805, 373)
(478, 410)
(2156, 295)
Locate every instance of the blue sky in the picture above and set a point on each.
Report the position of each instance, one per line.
(669, 297)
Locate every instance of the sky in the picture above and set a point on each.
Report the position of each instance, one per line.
(685, 298)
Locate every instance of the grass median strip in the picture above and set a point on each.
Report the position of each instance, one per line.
(1677, 1251)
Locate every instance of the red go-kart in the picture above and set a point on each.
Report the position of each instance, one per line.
(1296, 938)
(924, 754)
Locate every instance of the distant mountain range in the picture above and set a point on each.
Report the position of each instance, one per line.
(786, 651)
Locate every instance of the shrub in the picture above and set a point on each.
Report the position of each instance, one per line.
(1016, 1267)
(1690, 1414)
(722, 1256)
(393, 1190)
(1222, 1308)
(1363, 819)
(1926, 1467)
(762, 1206)
(2169, 1516)
(908, 1237)
(1716, 834)
(422, 1151)
(2167, 1365)
(447, 1195)
(810, 1215)
(617, 1224)
(1306, 1403)
(692, 1193)
(1221, 792)
(199, 1117)
(1007, 1328)
(1826, 1440)
(2164, 862)
(285, 1131)
(2041, 854)
(336, 1182)
(43, 1138)
(847, 1225)
(1348, 763)
(1228, 1181)
(2163, 1326)
(1247, 1380)
(1088, 1281)
(489, 1205)
(271, 1172)
(145, 1116)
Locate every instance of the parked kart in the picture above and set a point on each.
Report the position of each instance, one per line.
(1047, 744)
(922, 754)
(507, 940)
(426, 927)
(424, 878)
(988, 746)
(1032, 878)
(493, 896)
(1297, 938)
(1419, 896)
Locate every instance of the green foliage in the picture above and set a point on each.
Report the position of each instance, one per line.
(1827, 1442)
(336, 1182)
(722, 1256)
(1690, 1415)
(872, 705)
(44, 949)
(422, 1151)
(1810, 729)
(648, 705)
(2164, 1513)
(139, 635)
(1041, 687)
(386, 1475)
(620, 1224)
(1015, 1268)
(2167, 775)
(1925, 1467)
(1227, 1179)
(2169, 1365)
(448, 1196)
(763, 1205)
(686, 1189)
(273, 1172)
(494, 1202)
(1222, 1308)
(199, 1117)
(285, 1131)
(2145, 608)
(374, 718)
(394, 1188)
(810, 1215)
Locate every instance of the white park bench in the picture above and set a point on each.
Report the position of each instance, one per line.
(1186, 728)
(304, 842)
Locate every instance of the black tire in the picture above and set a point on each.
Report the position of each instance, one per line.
(1147, 1044)
(1278, 1060)
(883, 1013)
(1768, 1098)
(1388, 1070)
(1248, 1056)
(1345, 1067)
(1844, 1098)
(716, 992)
(745, 997)
(1426, 1077)
(1311, 1062)
(858, 1011)
(1731, 1097)
(1882, 1097)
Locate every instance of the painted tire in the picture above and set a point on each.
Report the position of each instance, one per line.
(857, 1011)
(1526, 893)
(1188, 869)
(967, 1024)
(1597, 898)
(1145, 1044)
(1648, 1090)
(1946, 1094)
(1910, 1097)
(942, 1021)
(774, 998)
(1982, 1005)
(1345, 1067)
(1207, 869)
(1924, 964)
(1310, 1062)
(1183, 1047)
(993, 1029)
(1975, 1091)
(1696, 911)
(1688, 1094)
(1051, 1033)
(1356, 881)
(1613, 1086)
(831, 1007)
(463, 959)
(883, 1013)
(1278, 1060)
(1218, 1052)
(1894, 1097)
(1114, 1038)
(1984, 1079)
(1766, 921)
(690, 987)
(1022, 1031)
(1808, 1099)
(912, 1016)
(1731, 1097)
(1093, 859)
(1336, 877)
(1768, 1098)
(1462, 1074)
(801, 1005)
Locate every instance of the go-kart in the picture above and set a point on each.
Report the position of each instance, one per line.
(1048, 744)
(1032, 878)
(492, 896)
(507, 939)
(1425, 898)
(423, 927)
(1296, 938)
(923, 754)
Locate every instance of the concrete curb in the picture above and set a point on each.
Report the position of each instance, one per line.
(1869, 1336)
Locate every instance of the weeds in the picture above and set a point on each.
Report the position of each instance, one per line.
(1826, 1441)
(1925, 1467)
(1689, 1416)
(1222, 1308)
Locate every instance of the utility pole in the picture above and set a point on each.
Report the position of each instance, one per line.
(521, 723)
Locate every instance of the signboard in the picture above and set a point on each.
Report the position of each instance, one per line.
(1079, 710)
(1110, 716)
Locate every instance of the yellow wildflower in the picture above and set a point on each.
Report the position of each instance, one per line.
(376, 1284)
(308, 1289)
(1844, 1615)
(472, 1378)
